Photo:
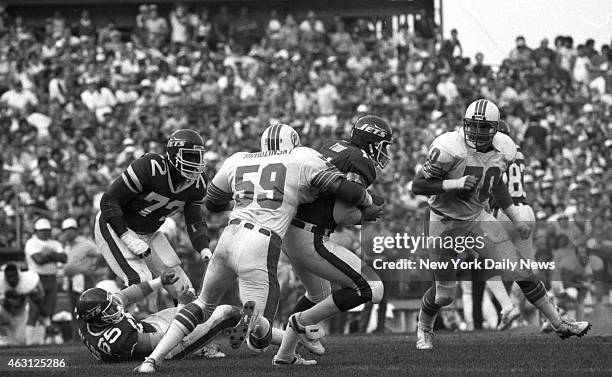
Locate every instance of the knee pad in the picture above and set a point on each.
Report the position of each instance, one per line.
(445, 293)
(378, 289)
(319, 296)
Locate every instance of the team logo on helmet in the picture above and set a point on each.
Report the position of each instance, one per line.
(372, 128)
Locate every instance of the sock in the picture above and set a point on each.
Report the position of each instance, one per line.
(468, 304)
(536, 294)
(498, 289)
(184, 323)
(277, 336)
(286, 351)
(320, 311)
(429, 310)
(303, 304)
(261, 342)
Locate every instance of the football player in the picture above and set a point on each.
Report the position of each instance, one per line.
(317, 260)
(266, 188)
(463, 170)
(152, 188)
(513, 178)
(112, 335)
(16, 287)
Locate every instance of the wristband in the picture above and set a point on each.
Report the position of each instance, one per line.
(452, 184)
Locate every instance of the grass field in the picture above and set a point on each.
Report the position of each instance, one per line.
(482, 353)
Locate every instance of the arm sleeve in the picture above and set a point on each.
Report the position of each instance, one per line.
(317, 172)
(219, 191)
(439, 162)
(363, 167)
(196, 226)
(132, 182)
(501, 195)
(135, 293)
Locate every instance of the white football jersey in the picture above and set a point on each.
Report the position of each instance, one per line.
(513, 177)
(450, 158)
(267, 187)
(29, 282)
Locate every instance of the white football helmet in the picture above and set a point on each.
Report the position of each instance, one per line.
(279, 137)
(480, 124)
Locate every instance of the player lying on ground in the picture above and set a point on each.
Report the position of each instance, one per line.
(316, 260)
(463, 170)
(16, 287)
(135, 206)
(267, 188)
(112, 335)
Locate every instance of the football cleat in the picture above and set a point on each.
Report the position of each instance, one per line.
(296, 361)
(424, 340)
(147, 366)
(243, 329)
(308, 335)
(252, 347)
(507, 318)
(212, 351)
(570, 327)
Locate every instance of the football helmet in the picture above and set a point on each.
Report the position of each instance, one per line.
(279, 137)
(99, 307)
(185, 151)
(480, 124)
(373, 134)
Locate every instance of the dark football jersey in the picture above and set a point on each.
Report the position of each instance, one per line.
(114, 343)
(350, 160)
(155, 195)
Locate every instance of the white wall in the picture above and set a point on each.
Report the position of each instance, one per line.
(492, 26)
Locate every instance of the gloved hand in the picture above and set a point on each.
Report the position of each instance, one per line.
(168, 277)
(206, 254)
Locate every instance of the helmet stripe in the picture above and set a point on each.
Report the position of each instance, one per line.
(277, 136)
(484, 107)
(269, 131)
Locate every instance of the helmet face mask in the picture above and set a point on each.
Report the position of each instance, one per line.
(380, 153)
(190, 162)
(479, 134)
(114, 312)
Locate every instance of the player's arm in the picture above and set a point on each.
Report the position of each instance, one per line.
(502, 198)
(431, 178)
(219, 192)
(132, 182)
(196, 228)
(137, 292)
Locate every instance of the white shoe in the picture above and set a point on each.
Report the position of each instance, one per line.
(570, 327)
(308, 335)
(243, 329)
(507, 318)
(296, 361)
(212, 351)
(424, 340)
(147, 366)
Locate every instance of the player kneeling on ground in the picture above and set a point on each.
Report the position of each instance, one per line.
(112, 335)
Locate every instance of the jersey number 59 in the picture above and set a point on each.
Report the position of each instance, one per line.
(271, 182)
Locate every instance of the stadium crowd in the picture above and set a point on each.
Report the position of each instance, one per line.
(79, 101)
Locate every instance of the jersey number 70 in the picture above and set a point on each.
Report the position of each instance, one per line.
(271, 181)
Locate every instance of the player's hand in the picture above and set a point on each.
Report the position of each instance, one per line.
(375, 211)
(135, 245)
(206, 254)
(523, 229)
(466, 183)
(46, 321)
(168, 277)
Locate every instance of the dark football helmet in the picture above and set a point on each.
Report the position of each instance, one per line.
(99, 307)
(373, 134)
(185, 151)
(480, 124)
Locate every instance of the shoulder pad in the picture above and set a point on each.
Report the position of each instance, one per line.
(452, 143)
(505, 145)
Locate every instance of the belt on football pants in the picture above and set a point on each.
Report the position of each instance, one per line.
(251, 226)
(316, 229)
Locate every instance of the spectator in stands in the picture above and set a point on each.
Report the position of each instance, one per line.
(156, 27)
(83, 257)
(179, 23)
(245, 30)
(222, 26)
(42, 256)
(521, 54)
(18, 290)
(18, 98)
(451, 48)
